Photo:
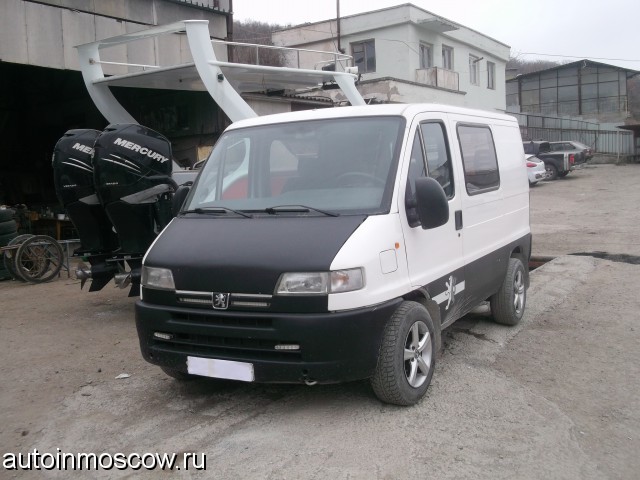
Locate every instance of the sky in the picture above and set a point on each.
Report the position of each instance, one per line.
(559, 30)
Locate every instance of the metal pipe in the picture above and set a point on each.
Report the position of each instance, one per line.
(338, 23)
(103, 62)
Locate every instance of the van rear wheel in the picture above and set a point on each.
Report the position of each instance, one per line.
(507, 306)
(406, 360)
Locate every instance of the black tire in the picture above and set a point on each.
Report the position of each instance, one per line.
(6, 214)
(400, 377)
(9, 226)
(6, 238)
(552, 171)
(563, 174)
(507, 306)
(39, 259)
(10, 254)
(179, 375)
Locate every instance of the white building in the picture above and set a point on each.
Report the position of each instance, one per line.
(407, 54)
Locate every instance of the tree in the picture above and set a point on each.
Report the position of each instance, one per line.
(518, 66)
(253, 31)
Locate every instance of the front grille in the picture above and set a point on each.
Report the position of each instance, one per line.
(236, 300)
(226, 321)
(229, 347)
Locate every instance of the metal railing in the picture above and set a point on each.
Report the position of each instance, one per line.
(553, 129)
(284, 54)
(610, 142)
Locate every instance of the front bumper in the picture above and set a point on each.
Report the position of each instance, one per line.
(334, 347)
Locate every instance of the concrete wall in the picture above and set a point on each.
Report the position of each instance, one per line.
(267, 106)
(45, 33)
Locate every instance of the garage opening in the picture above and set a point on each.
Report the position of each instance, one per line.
(38, 105)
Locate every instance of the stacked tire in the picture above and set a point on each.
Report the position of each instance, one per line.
(8, 231)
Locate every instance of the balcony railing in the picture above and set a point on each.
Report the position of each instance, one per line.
(438, 77)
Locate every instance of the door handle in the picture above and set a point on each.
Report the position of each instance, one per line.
(458, 219)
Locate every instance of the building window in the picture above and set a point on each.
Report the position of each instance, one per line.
(491, 75)
(364, 56)
(474, 69)
(447, 57)
(426, 55)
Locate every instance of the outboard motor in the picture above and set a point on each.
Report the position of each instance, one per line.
(132, 172)
(73, 179)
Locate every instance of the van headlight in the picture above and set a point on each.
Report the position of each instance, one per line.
(320, 283)
(160, 278)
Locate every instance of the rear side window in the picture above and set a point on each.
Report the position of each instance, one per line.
(479, 159)
(529, 148)
(559, 147)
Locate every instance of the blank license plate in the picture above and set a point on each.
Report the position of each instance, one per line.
(211, 367)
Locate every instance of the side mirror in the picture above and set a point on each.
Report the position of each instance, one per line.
(178, 198)
(431, 203)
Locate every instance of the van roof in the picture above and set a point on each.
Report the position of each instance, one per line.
(402, 109)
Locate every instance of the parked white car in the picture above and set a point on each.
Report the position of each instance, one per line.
(535, 169)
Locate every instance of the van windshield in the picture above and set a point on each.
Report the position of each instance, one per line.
(335, 165)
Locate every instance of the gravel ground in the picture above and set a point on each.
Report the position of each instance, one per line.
(554, 397)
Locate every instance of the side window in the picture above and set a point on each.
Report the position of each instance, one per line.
(417, 169)
(235, 171)
(438, 158)
(478, 158)
(226, 176)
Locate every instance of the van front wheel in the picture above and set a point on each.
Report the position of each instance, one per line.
(507, 306)
(407, 356)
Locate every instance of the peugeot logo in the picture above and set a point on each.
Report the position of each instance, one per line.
(220, 301)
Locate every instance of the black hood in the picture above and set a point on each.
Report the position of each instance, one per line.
(248, 255)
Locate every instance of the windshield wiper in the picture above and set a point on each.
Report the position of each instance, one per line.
(215, 211)
(297, 209)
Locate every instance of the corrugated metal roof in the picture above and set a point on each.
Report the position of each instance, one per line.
(585, 62)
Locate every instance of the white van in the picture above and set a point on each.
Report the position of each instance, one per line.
(336, 244)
